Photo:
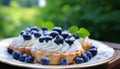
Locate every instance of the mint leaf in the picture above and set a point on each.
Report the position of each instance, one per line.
(73, 29)
(83, 32)
(39, 23)
(49, 24)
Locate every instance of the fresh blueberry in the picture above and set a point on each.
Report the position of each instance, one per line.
(64, 34)
(22, 32)
(85, 57)
(16, 55)
(47, 38)
(94, 47)
(33, 31)
(58, 29)
(63, 61)
(44, 28)
(78, 60)
(45, 61)
(42, 38)
(34, 28)
(89, 54)
(9, 50)
(54, 34)
(27, 37)
(22, 57)
(29, 59)
(76, 36)
(93, 51)
(59, 40)
(37, 34)
(69, 41)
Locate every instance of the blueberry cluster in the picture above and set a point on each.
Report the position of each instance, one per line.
(44, 34)
(46, 61)
(28, 32)
(58, 35)
(21, 57)
(82, 58)
(85, 57)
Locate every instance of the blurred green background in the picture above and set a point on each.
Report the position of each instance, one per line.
(100, 17)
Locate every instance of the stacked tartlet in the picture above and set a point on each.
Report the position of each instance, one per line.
(51, 47)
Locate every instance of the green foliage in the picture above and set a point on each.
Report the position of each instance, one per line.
(48, 24)
(83, 32)
(100, 17)
(73, 29)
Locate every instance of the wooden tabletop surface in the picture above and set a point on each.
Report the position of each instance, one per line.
(114, 64)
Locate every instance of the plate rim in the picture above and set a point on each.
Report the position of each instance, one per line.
(60, 66)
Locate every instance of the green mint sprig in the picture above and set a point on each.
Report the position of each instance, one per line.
(73, 29)
(82, 32)
(48, 24)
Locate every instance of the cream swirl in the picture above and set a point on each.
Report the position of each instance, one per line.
(51, 47)
(20, 42)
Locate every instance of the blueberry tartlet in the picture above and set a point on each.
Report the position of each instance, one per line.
(60, 47)
(27, 38)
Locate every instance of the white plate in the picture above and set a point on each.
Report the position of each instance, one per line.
(105, 54)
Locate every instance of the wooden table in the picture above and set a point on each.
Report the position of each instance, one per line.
(114, 64)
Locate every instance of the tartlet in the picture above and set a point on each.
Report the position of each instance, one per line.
(25, 40)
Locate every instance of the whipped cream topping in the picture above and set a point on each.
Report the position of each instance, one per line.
(51, 47)
(20, 42)
(84, 40)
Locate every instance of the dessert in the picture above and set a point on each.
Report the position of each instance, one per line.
(25, 40)
(56, 47)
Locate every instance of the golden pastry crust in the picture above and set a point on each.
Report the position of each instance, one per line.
(55, 58)
(26, 50)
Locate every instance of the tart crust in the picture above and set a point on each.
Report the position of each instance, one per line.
(26, 48)
(22, 50)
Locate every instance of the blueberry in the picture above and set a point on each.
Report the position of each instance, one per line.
(22, 32)
(59, 40)
(54, 34)
(69, 41)
(33, 31)
(64, 34)
(41, 39)
(45, 61)
(89, 54)
(27, 37)
(16, 55)
(44, 28)
(29, 59)
(47, 38)
(93, 47)
(93, 51)
(9, 50)
(37, 34)
(85, 57)
(76, 36)
(22, 57)
(63, 61)
(34, 28)
(58, 29)
(78, 60)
